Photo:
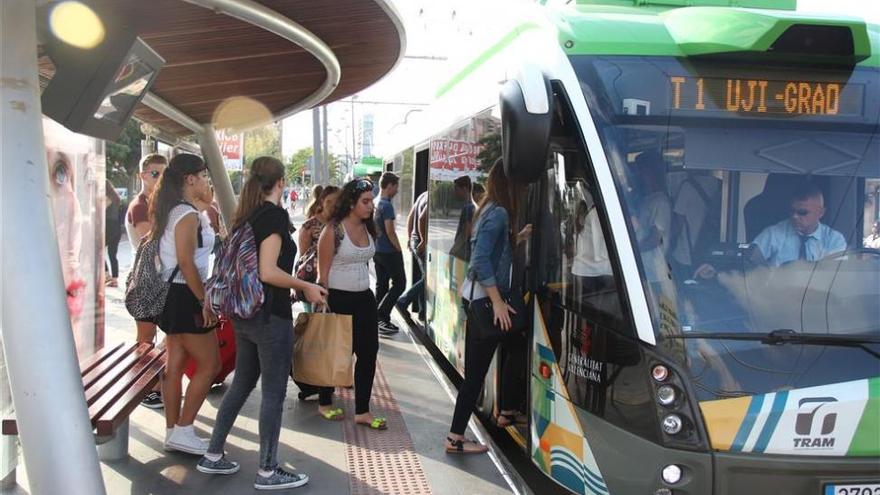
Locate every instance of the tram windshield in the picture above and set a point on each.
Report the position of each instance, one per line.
(752, 195)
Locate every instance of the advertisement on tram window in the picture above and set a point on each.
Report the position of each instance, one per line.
(76, 190)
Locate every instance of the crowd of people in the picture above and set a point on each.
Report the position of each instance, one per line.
(345, 229)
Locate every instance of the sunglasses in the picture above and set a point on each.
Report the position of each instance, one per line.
(363, 185)
(155, 174)
(800, 212)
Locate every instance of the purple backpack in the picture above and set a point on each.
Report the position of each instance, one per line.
(235, 289)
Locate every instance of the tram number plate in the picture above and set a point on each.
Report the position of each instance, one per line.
(863, 489)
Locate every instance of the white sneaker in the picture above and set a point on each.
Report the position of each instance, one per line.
(184, 439)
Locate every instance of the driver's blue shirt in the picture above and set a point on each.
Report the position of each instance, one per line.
(781, 243)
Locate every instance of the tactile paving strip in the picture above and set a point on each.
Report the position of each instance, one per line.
(381, 462)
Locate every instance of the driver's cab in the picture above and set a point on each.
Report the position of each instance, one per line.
(723, 243)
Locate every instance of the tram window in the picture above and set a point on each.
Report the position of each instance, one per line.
(586, 281)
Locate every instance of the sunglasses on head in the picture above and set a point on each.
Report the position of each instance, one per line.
(363, 185)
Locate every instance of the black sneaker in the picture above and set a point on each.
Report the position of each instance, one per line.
(220, 466)
(388, 328)
(280, 480)
(153, 400)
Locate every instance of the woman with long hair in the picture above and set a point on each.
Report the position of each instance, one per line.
(316, 203)
(345, 248)
(185, 241)
(264, 343)
(492, 242)
(307, 268)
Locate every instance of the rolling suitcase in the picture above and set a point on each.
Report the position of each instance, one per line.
(226, 339)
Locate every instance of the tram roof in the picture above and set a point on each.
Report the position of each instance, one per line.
(211, 57)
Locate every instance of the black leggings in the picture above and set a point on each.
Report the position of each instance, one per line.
(478, 356)
(365, 340)
(112, 249)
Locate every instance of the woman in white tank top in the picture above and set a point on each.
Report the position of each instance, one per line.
(345, 249)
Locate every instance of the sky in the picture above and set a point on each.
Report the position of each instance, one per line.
(440, 33)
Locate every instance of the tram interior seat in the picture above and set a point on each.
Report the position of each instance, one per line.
(771, 205)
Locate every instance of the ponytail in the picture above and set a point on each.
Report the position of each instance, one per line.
(265, 172)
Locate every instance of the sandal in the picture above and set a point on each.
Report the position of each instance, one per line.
(511, 419)
(457, 447)
(335, 414)
(377, 424)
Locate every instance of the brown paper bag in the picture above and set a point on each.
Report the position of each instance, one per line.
(322, 349)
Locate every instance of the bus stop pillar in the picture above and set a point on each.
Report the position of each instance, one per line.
(222, 185)
(53, 421)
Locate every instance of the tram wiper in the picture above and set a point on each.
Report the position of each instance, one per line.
(789, 336)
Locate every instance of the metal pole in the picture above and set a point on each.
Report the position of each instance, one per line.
(222, 185)
(324, 139)
(47, 393)
(316, 145)
(353, 144)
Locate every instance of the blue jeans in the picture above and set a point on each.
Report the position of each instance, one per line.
(416, 292)
(262, 348)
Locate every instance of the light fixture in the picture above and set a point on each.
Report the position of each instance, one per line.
(659, 373)
(671, 474)
(666, 395)
(672, 424)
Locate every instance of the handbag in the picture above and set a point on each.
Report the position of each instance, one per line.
(481, 316)
(322, 349)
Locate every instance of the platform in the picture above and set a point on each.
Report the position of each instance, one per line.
(408, 458)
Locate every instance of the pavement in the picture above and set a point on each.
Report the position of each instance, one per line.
(338, 457)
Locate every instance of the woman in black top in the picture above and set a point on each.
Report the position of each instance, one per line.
(264, 343)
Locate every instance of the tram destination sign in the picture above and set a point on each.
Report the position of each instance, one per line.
(765, 96)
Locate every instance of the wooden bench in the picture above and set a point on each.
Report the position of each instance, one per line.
(115, 380)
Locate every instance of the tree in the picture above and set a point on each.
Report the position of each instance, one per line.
(265, 141)
(123, 157)
(236, 179)
(491, 151)
(298, 163)
(334, 168)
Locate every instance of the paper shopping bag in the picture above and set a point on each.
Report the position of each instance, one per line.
(322, 349)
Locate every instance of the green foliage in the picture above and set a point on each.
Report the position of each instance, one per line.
(123, 156)
(298, 163)
(236, 178)
(491, 151)
(265, 141)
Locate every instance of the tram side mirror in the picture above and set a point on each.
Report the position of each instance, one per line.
(94, 91)
(526, 119)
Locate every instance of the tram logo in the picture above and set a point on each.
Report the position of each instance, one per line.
(815, 423)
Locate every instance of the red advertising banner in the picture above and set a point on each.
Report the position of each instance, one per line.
(454, 155)
(231, 148)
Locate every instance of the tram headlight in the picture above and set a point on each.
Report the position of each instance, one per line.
(659, 373)
(671, 474)
(666, 395)
(672, 424)
(663, 491)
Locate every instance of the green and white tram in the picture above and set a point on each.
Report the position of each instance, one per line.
(679, 345)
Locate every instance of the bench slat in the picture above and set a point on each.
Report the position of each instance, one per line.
(110, 376)
(108, 366)
(119, 410)
(97, 358)
(123, 382)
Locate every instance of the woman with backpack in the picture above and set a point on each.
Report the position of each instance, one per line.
(264, 343)
(185, 242)
(345, 248)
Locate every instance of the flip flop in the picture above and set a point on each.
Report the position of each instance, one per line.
(333, 414)
(377, 424)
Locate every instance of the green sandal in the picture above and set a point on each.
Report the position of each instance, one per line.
(377, 424)
(333, 414)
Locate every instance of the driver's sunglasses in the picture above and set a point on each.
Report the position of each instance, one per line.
(800, 213)
(155, 174)
(363, 185)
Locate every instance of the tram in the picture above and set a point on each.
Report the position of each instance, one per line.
(660, 147)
